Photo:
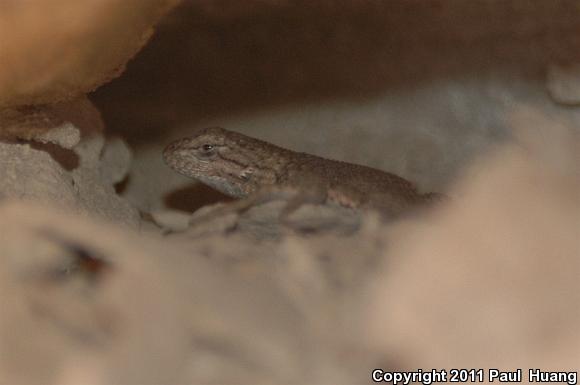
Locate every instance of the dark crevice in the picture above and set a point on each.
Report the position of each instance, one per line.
(191, 198)
(121, 187)
(68, 159)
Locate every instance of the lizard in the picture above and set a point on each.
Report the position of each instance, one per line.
(244, 167)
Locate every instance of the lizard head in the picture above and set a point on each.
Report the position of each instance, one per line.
(219, 158)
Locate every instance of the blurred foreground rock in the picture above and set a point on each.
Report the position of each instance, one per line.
(60, 49)
(493, 280)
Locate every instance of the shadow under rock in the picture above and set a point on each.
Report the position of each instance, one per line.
(207, 61)
(193, 197)
(67, 159)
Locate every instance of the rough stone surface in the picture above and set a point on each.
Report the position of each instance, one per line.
(40, 123)
(61, 164)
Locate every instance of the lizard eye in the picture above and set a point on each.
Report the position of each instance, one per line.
(207, 150)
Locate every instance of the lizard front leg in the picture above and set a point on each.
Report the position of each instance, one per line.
(294, 200)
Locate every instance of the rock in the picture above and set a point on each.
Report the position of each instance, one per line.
(59, 50)
(171, 220)
(61, 163)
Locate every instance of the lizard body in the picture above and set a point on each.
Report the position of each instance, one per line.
(241, 166)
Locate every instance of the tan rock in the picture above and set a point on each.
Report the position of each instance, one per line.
(60, 49)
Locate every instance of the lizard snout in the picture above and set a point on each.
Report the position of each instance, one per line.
(172, 151)
(171, 147)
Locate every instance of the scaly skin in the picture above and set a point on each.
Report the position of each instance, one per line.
(241, 166)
